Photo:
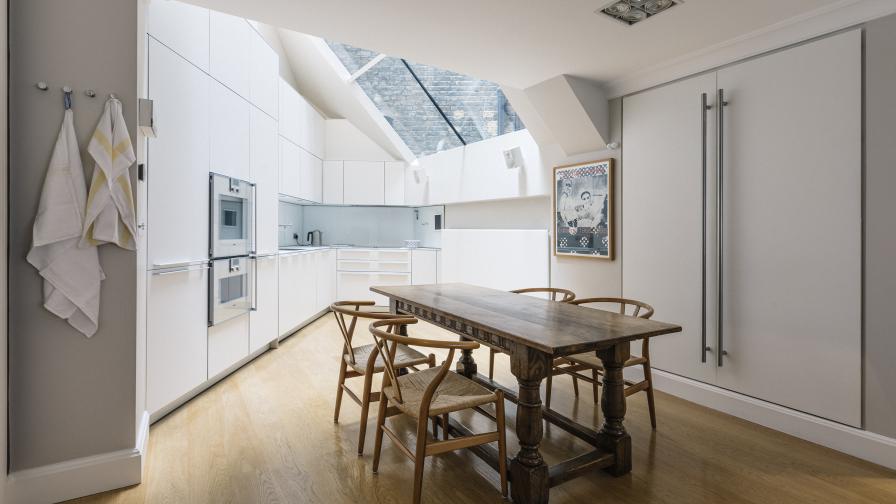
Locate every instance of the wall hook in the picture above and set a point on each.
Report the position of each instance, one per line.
(42, 86)
(66, 89)
(90, 93)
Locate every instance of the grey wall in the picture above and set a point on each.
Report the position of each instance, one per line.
(70, 396)
(880, 231)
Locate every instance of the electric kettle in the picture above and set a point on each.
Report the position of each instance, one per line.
(313, 238)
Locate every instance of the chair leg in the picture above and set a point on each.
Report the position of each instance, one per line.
(378, 438)
(419, 459)
(650, 404)
(445, 426)
(365, 409)
(491, 364)
(342, 369)
(435, 427)
(575, 385)
(594, 376)
(502, 442)
(549, 381)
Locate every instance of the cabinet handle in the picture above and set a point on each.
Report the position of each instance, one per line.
(704, 107)
(180, 270)
(720, 192)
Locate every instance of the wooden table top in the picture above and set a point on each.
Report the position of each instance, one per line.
(552, 327)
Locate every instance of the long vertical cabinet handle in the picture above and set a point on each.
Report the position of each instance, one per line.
(704, 107)
(720, 206)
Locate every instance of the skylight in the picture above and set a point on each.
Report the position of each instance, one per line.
(431, 109)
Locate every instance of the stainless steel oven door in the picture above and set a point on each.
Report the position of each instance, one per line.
(231, 289)
(231, 217)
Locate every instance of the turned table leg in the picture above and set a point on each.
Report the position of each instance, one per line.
(612, 436)
(466, 365)
(528, 471)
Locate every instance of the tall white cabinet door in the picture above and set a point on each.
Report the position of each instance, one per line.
(364, 182)
(229, 125)
(263, 322)
(792, 200)
(265, 174)
(662, 180)
(290, 161)
(176, 344)
(178, 160)
(181, 27)
(332, 183)
(228, 342)
(394, 183)
(230, 51)
(264, 75)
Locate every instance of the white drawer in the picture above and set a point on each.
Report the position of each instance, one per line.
(355, 286)
(390, 255)
(362, 254)
(373, 266)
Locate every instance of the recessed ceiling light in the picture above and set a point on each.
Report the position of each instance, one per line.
(634, 11)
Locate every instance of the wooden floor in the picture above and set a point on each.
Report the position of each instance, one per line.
(266, 435)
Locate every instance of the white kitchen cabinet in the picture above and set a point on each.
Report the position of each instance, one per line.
(364, 182)
(784, 306)
(263, 321)
(230, 51)
(325, 267)
(176, 344)
(264, 75)
(229, 123)
(359, 269)
(290, 115)
(310, 177)
(424, 266)
(290, 168)
(298, 290)
(264, 167)
(183, 28)
(313, 130)
(178, 166)
(228, 342)
(332, 183)
(394, 183)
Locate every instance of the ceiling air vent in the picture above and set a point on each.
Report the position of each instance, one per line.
(635, 11)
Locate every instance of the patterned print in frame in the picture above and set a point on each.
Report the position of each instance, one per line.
(583, 209)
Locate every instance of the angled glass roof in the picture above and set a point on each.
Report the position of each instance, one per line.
(431, 109)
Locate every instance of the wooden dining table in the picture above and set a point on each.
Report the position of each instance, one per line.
(534, 332)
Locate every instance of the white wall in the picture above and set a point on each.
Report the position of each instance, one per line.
(517, 213)
(345, 142)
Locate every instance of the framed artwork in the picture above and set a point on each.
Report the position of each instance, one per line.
(583, 210)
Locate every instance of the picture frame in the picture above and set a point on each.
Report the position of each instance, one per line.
(583, 210)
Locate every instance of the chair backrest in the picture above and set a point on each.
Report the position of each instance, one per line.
(352, 310)
(565, 295)
(639, 308)
(386, 335)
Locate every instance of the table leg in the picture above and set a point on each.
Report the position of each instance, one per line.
(612, 436)
(528, 471)
(466, 365)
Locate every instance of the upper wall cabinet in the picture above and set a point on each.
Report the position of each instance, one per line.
(229, 127)
(364, 183)
(230, 56)
(311, 175)
(394, 183)
(332, 183)
(290, 113)
(290, 161)
(313, 130)
(264, 75)
(183, 28)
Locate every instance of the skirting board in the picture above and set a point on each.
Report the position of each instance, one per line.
(82, 476)
(859, 443)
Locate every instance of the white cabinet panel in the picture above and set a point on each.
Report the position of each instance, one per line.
(264, 75)
(325, 267)
(290, 172)
(662, 216)
(394, 183)
(364, 182)
(182, 27)
(228, 342)
(306, 304)
(176, 344)
(230, 51)
(298, 290)
(332, 183)
(229, 126)
(263, 322)
(311, 177)
(290, 113)
(424, 267)
(265, 174)
(314, 131)
(793, 235)
(178, 159)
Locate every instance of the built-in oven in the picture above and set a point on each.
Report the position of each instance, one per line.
(231, 289)
(231, 217)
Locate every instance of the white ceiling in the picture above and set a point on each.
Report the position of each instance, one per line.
(521, 43)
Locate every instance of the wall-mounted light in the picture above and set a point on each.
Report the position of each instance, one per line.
(513, 158)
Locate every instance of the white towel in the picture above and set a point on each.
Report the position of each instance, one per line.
(71, 273)
(111, 217)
